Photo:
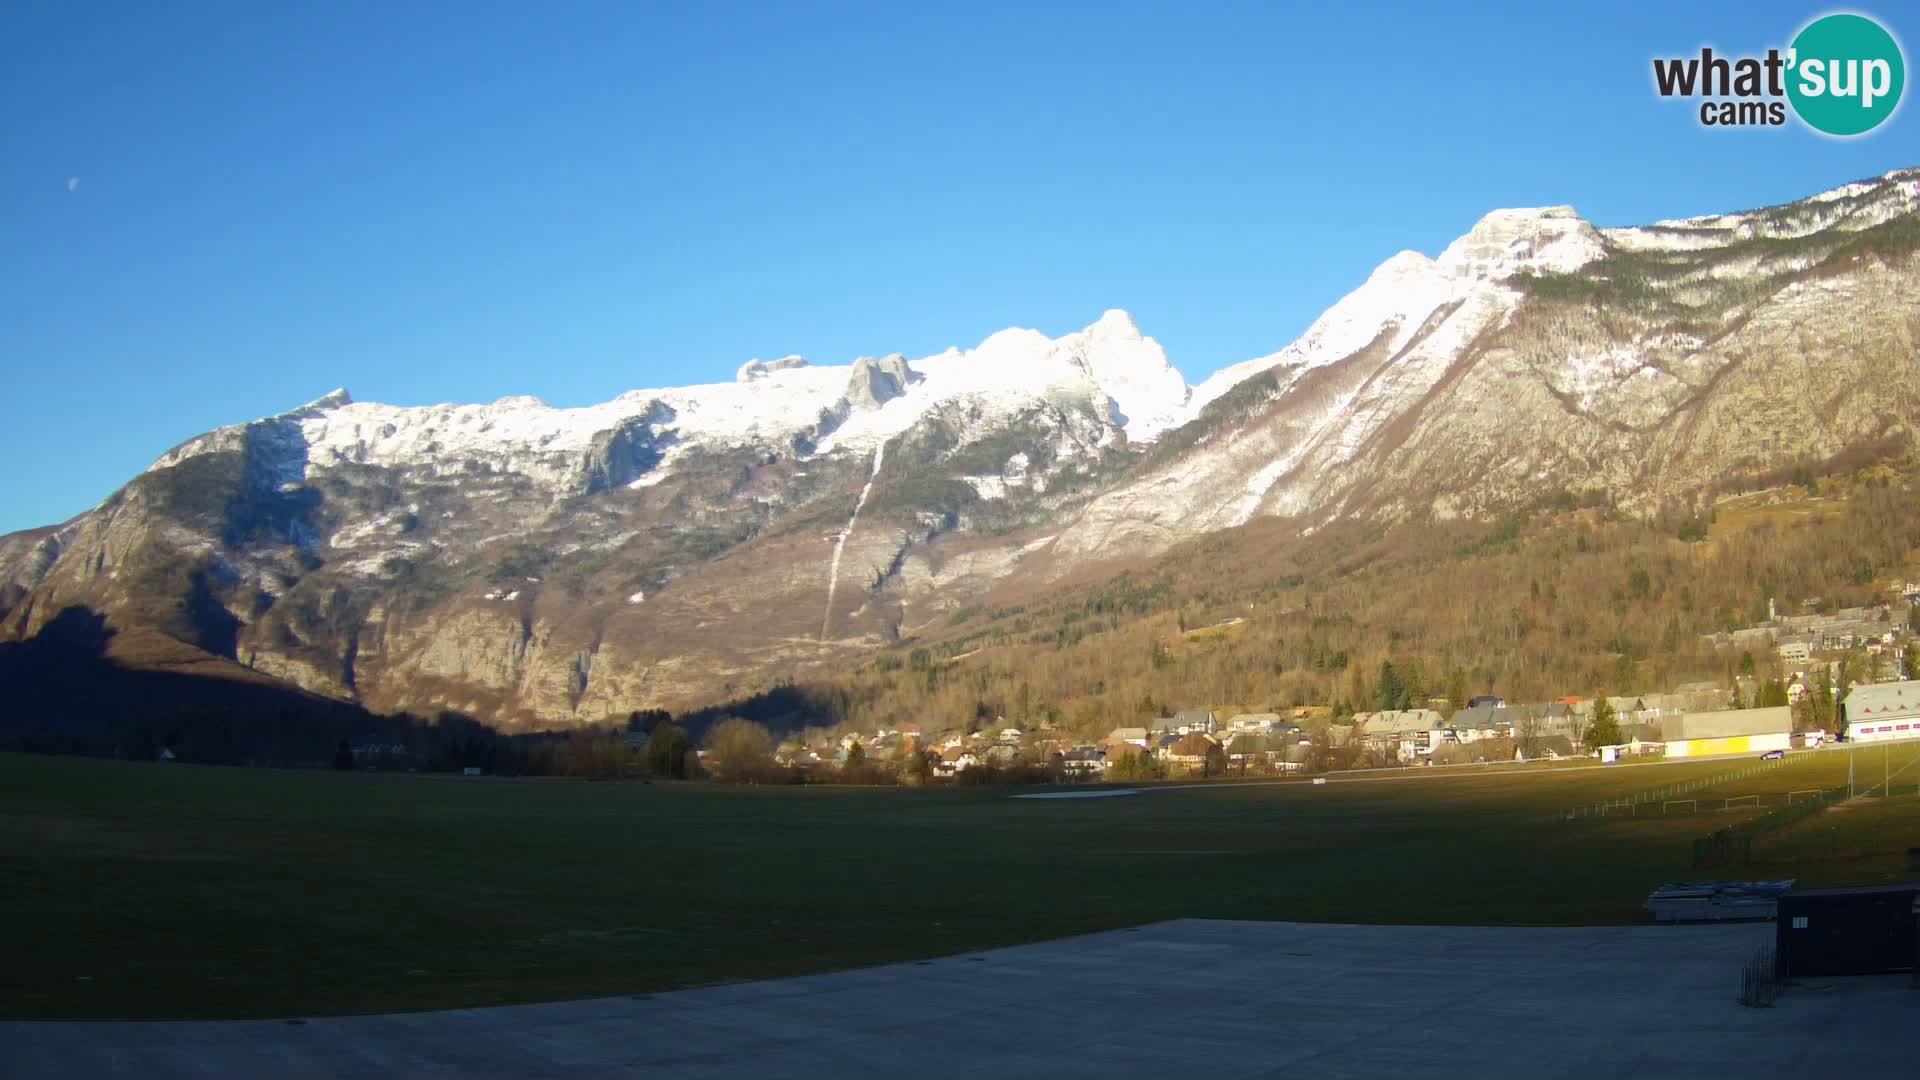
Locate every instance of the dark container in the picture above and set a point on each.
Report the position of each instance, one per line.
(1863, 931)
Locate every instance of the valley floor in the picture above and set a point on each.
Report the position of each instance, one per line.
(173, 892)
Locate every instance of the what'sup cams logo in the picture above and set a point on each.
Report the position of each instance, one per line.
(1842, 75)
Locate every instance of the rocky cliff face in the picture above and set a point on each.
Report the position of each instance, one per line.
(529, 564)
(1538, 353)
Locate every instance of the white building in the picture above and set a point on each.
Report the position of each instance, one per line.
(1729, 731)
(1882, 712)
(1265, 723)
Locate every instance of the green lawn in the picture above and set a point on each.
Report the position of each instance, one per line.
(166, 890)
(1860, 842)
(1828, 769)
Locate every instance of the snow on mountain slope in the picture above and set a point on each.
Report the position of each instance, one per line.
(1401, 293)
(1848, 208)
(1424, 370)
(1110, 366)
(524, 563)
(1409, 287)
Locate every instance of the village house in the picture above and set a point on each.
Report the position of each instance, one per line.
(813, 761)
(1703, 697)
(955, 759)
(1477, 722)
(1660, 708)
(1628, 710)
(1135, 735)
(1404, 733)
(1296, 756)
(1553, 719)
(1002, 755)
(1794, 650)
(1196, 752)
(1796, 689)
(1119, 752)
(1188, 721)
(1264, 723)
(1248, 750)
(1547, 748)
(1882, 712)
(1083, 762)
(1465, 753)
(369, 752)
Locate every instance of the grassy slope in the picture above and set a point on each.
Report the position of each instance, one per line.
(145, 890)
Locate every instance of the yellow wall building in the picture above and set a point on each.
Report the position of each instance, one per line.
(1729, 731)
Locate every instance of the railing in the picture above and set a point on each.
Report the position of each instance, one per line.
(1671, 793)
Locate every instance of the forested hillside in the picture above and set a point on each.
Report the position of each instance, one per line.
(1568, 597)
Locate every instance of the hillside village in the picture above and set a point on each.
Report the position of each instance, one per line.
(1846, 675)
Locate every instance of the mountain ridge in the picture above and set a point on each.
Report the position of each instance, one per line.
(527, 564)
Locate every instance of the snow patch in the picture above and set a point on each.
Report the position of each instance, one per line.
(1401, 293)
(1509, 242)
(840, 545)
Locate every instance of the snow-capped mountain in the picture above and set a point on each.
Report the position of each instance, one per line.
(520, 562)
(1120, 377)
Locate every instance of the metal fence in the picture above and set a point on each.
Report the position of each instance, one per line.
(1630, 806)
(1760, 979)
(1723, 847)
(1733, 845)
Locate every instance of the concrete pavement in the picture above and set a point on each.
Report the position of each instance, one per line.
(1190, 997)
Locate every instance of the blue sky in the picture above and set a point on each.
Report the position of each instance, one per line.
(459, 201)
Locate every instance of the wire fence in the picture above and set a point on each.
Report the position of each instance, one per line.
(1760, 979)
(1733, 845)
(1886, 786)
(1630, 806)
(1723, 847)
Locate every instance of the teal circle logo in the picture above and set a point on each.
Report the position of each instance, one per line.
(1846, 74)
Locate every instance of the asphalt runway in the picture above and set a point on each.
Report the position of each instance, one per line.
(1181, 998)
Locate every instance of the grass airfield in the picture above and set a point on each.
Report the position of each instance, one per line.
(147, 891)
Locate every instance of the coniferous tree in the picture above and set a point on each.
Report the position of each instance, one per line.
(1604, 728)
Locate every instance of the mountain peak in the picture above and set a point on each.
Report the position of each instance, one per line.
(335, 399)
(759, 369)
(1506, 242)
(1402, 265)
(1116, 323)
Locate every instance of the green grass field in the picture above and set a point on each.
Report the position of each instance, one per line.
(175, 891)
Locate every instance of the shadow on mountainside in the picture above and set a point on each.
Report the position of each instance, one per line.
(79, 686)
